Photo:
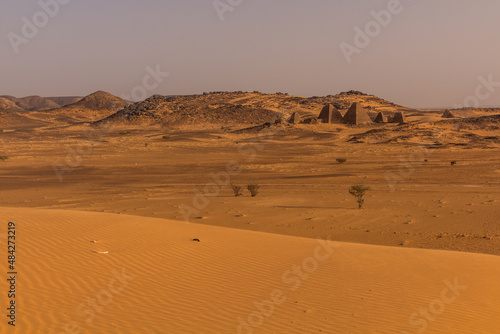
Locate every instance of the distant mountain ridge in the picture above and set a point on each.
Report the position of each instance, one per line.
(65, 100)
(33, 103)
(99, 100)
(7, 105)
(39, 111)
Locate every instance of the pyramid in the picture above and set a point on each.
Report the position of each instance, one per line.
(381, 118)
(330, 114)
(295, 118)
(356, 115)
(448, 114)
(399, 117)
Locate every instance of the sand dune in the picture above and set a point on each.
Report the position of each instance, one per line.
(155, 279)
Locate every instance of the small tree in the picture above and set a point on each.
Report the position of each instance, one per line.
(453, 163)
(237, 190)
(253, 189)
(341, 160)
(358, 192)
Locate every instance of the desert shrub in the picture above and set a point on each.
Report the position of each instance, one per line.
(453, 163)
(3, 157)
(124, 133)
(341, 160)
(426, 160)
(237, 190)
(253, 189)
(358, 191)
(146, 144)
(166, 137)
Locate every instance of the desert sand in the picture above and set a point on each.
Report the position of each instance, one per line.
(129, 225)
(157, 279)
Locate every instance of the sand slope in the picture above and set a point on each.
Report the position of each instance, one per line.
(155, 279)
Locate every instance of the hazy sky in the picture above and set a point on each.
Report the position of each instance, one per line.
(431, 53)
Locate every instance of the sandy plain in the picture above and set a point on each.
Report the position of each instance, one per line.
(421, 256)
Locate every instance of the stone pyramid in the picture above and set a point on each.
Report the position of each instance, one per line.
(330, 114)
(295, 118)
(399, 117)
(381, 118)
(356, 115)
(448, 114)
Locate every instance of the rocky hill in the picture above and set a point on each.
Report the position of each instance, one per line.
(90, 108)
(7, 105)
(33, 103)
(99, 101)
(230, 108)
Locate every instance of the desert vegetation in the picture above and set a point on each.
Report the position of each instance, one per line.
(253, 189)
(359, 191)
(237, 190)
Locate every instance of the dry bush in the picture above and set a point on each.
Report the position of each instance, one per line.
(237, 190)
(253, 189)
(358, 192)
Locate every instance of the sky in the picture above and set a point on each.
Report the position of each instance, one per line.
(420, 53)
